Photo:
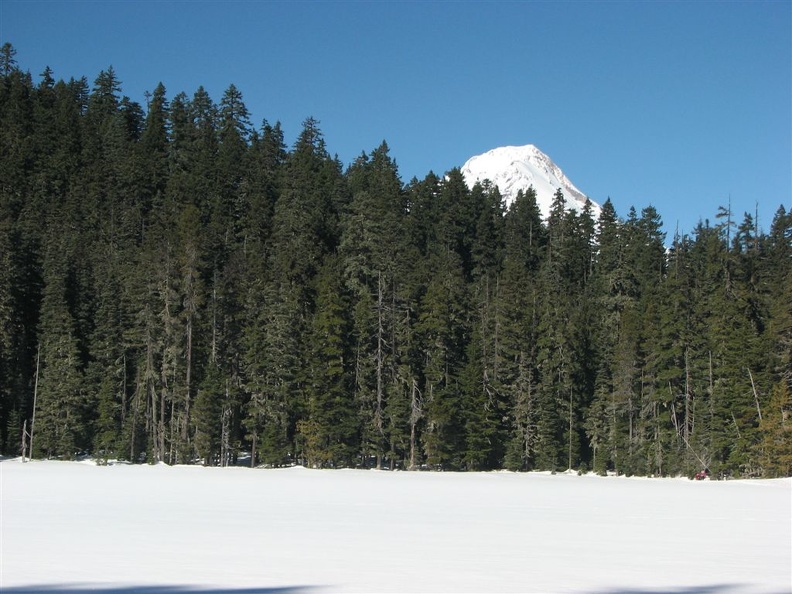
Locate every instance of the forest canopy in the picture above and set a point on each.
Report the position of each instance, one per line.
(178, 285)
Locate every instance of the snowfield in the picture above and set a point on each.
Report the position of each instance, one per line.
(515, 168)
(71, 526)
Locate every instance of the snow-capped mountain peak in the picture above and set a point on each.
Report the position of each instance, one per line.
(515, 168)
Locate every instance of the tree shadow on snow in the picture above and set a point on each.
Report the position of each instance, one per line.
(712, 589)
(109, 589)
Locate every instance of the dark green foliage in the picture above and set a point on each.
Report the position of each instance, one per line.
(330, 432)
(443, 332)
(61, 415)
(178, 287)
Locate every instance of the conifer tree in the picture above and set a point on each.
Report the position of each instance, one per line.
(274, 372)
(8, 63)
(185, 288)
(262, 183)
(330, 431)
(776, 428)
(106, 375)
(778, 275)
(484, 405)
(60, 416)
(442, 327)
(152, 155)
(373, 251)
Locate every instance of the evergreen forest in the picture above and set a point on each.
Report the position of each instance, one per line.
(179, 285)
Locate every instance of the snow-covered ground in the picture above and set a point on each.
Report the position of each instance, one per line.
(144, 529)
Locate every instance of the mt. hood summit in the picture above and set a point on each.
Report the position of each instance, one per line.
(515, 168)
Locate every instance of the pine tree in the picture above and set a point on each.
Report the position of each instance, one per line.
(484, 404)
(517, 309)
(60, 418)
(209, 416)
(373, 253)
(152, 156)
(191, 294)
(263, 182)
(273, 370)
(455, 227)
(776, 429)
(8, 63)
(778, 275)
(564, 385)
(330, 432)
(611, 300)
(107, 373)
(20, 236)
(182, 287)
(229, 204)
(305, 216)
(443, 330)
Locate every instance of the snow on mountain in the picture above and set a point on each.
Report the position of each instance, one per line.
(515, 168)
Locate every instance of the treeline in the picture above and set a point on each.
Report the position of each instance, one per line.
(177, 285)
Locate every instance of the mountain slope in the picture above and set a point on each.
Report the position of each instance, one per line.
(515, 168)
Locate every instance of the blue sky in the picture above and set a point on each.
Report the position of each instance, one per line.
(680, 105)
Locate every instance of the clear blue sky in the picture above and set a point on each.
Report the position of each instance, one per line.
(675, 104)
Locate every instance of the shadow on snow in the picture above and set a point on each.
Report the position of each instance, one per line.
(710, 589)
(149, 589)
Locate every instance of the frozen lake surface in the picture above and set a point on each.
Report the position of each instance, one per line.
(71, 526)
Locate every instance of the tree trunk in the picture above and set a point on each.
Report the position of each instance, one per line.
(380, 371)
(415, 415)
(756, 396)
(185, 424)
(24, 440)
(35, 398)
(687, 399)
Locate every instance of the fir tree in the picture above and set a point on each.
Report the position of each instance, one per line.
(330, 432)
(186, 288)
